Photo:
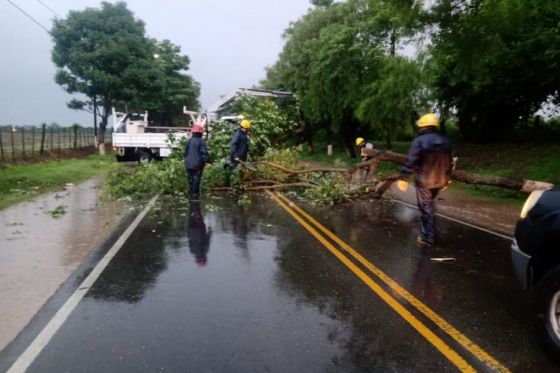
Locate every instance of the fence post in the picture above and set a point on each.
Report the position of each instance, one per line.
(43, 130)
(12, 141)
(2, 147)
(58, 140)
(23, 142)
(33, 142)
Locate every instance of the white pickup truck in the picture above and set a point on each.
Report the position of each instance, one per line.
(135, 140)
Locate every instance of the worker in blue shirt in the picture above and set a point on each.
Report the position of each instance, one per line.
(196, 157)
(240, 144)
(430, 159)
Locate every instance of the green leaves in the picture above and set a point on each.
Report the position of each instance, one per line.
(390, 102)
(341, 62)
(105, 54)
(269, 122)
(496, 62)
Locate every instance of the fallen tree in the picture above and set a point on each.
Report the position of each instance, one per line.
(521, 185)
(280, 170)
(301, 171)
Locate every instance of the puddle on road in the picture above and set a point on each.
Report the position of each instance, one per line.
(38, 251)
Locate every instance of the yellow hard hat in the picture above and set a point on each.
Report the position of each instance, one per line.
(360, 141)
(428, 120)
(245, 124)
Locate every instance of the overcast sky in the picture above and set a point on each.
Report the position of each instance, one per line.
(229, 43)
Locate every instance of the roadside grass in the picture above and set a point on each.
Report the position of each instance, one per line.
(23, 182)
(532, 161)
(339, 158)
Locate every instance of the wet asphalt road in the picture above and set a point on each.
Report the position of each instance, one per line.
(223, 286)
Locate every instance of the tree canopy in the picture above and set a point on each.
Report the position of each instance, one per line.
(378, 64)
(104, 54)
(495, 62)
(336, 56)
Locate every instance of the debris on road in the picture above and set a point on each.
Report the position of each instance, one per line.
(58, 212)
(441, 260)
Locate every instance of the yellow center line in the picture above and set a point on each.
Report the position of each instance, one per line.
(459, 337)
(437, 342)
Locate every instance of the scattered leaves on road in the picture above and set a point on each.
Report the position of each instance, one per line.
(58, 212)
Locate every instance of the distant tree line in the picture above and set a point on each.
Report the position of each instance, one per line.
(376, 65)
(104, 55)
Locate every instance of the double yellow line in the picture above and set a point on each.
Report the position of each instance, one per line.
(313, 227)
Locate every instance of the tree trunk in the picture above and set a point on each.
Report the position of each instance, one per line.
(329, 140)
(102, 130)
(522, 185)
(348, 129)
(393, 42)
(95, 138)
(388, 143)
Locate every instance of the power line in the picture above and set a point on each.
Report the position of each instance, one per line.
(28, 16)
(49, 8)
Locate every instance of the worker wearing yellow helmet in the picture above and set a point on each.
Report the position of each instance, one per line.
(430, 160)
(245, 124)
(367, 172)
(362, 144)
(240, 144)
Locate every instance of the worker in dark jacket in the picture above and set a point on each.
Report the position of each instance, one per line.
(430, 159)
(240, 144)
(196, 157)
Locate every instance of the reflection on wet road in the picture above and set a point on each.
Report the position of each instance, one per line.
(218, 286)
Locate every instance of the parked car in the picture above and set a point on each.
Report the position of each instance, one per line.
(535, 253)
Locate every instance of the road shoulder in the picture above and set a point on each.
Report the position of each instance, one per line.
(43, 242)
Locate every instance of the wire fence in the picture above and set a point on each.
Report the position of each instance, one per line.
(19, 143)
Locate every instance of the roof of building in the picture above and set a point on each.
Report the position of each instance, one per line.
(216, 107)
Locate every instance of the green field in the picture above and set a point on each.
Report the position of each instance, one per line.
(22, 182)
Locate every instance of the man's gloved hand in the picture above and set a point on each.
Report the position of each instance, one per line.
(402, 185)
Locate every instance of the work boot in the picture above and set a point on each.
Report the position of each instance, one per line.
(422, 242)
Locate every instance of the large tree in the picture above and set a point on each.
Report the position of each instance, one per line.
(495, 62)
(342, 62)
(173, 88)
(103, 53)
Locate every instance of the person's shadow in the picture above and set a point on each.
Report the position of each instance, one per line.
(197, 234)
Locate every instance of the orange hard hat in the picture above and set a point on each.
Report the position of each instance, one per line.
(198, 128)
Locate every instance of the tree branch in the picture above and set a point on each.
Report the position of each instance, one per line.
(522, 185)
(281, 186)
(303, 171)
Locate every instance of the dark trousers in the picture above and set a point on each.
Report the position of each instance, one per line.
(427, 206)
(194, 177)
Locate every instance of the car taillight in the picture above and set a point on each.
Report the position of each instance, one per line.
(531, 202)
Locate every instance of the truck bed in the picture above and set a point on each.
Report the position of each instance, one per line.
(146, 140)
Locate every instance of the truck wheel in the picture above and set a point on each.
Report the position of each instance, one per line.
(550, 311)
(144, 157)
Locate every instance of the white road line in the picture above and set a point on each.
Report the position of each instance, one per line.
(35, 348)
(456, 220)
